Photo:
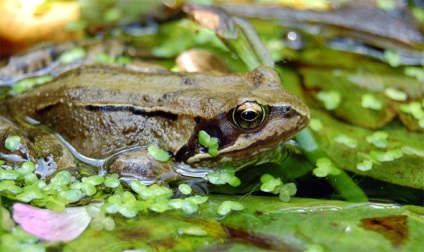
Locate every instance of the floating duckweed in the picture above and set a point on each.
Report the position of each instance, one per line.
(152, 191)
(269, 183)
(61, 178)
(416, 72)
(9, 185)
(197, 199)
(30, 179)
(184, 189)
(28, 166)
(386, 156)
(286, 191)
(87, 189)
(421, 123)
(12, 143)
(369, 101)
(99, 219)
(137, 186)
(226, 175)
(392, 57)
(378, 138)
(72, 55)
(413, 108)
(71, 196)
(128, 197)
(160, 206)
(387, 5)
(30, 193)
(124, 60)
(276, 186)
(188, 205)
(104, 58)
(331, 99)
(27, 84)
(325, 167)
(158, 154)
(408, 150)
(211, 143)
(315, 124)
(112, 181)
(55, 204)
(227, 206)
(315, 248)
(364, 165)
(8, 174)
(349, 142)
(192, 230)
(395, 94)
(93, 180)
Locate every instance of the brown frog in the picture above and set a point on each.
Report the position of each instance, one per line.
(107, 116)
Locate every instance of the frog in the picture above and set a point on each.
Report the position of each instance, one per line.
(108, 116)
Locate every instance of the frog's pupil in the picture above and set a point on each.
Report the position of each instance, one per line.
(249, 115)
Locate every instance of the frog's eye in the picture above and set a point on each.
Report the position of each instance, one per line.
(249, 115)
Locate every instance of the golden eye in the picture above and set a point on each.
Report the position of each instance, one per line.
(249, 115)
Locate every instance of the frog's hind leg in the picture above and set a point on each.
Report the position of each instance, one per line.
(137, 164)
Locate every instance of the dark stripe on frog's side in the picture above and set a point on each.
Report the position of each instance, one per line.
(134, 110)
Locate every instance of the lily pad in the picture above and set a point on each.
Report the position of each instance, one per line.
(265, 224)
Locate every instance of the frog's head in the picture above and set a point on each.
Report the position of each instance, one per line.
(262, 116)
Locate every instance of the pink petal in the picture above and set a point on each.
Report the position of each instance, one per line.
(51, 226)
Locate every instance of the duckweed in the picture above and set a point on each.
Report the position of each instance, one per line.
(211, 143)
(276, 186)
(185, 189)
(395, 94)
(364, 165)
(369, 101)
(158, 154)
(379, 139)
(192, 230)
(349, 142)
(331, 99)
(224, 176)
(316, 124)
(387, 156)
(12, 143)
(112, 181)
(392, 57)
(325, 167)
(227, 206)
(72, 55)
(408, 150)
(26, 84)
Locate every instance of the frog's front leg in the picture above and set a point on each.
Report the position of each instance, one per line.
(138, 164)
(25, 150)
(37, 145)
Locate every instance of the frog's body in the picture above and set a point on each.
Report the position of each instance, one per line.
(99, 111)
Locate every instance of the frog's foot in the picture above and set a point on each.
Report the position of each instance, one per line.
(25, 149)
(36, 145)
(139, 165)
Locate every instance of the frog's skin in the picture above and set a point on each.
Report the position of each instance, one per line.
(108, 116)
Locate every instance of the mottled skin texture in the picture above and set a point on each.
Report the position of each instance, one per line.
(100, 110)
